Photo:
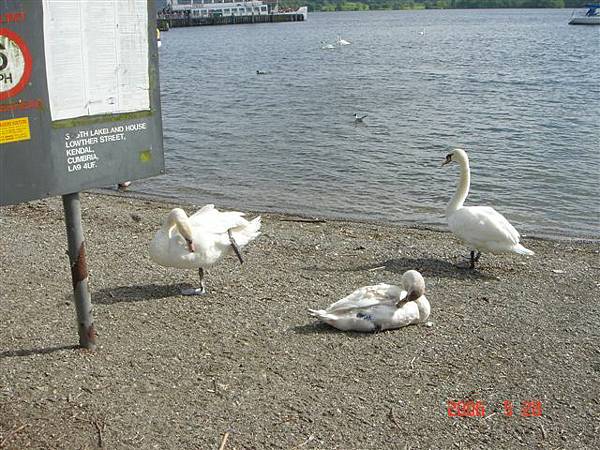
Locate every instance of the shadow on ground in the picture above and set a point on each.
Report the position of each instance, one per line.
(427, 266)
(140, 293)
(36, 351)
(321, 328)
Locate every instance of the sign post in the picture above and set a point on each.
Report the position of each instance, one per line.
(79, 109)
(79, 272)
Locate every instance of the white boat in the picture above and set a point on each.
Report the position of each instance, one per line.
(591, 16)
(223, 8)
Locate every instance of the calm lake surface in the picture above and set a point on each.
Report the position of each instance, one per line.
(518, 89)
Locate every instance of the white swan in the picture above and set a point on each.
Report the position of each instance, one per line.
(201, 240)
(379, 307)
(341, 41)
(481, 227)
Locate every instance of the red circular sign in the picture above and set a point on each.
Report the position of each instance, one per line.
(20, 43)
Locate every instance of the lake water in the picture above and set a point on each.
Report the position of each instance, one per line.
(518, 89)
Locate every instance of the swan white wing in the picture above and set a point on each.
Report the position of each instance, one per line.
(211, 220)
(170, 250)
(484, 227)
(368, 297)
(401, 317)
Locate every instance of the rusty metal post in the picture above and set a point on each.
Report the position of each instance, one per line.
(79, 273)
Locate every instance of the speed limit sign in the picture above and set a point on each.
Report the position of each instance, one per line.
(15, 63)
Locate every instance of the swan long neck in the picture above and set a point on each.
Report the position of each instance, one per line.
(179, 220)
(424, 308)
(462, 190)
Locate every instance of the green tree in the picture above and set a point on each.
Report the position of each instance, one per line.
(363, 5)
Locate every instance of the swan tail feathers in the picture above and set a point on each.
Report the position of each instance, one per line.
(252, 230)
(522, 250)
(247, 232)
(320, 314)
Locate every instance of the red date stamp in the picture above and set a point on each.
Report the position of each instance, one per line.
(476, 408)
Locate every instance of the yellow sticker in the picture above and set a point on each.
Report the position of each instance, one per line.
(14, 130)
(145, 155)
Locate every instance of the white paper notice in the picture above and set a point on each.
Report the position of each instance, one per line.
(96, 56)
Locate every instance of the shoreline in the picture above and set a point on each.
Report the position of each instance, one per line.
(178, 372)
(430, 227)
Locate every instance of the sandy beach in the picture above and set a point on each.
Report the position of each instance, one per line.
(246, 362)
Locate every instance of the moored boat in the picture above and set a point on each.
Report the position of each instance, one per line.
(205, 9)
(591, 16)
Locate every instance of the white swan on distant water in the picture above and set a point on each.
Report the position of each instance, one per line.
(341, 41)
(201, 240)
(379, 307)
(481, 227)
(326, 46)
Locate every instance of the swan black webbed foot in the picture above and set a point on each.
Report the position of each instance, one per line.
(468, 262)
(474, 258)
(196, 291)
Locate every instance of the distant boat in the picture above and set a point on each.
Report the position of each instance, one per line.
(591, 17)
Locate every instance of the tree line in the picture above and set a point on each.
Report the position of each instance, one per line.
(364, 5)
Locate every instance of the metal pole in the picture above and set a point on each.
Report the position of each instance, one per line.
(79, 273)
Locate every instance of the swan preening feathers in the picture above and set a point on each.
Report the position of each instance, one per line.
(204, 238)
(379, 307)
(201, 240)
(481, 227)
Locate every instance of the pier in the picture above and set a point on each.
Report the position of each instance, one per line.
(164, 22)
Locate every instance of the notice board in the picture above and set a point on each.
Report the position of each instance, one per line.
(79, 96)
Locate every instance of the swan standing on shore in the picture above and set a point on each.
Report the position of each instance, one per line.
(379, 307)
(201, 240)
(481, 227)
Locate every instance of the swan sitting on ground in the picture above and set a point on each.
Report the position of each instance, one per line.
(341, 41)
(379, 307)
(481, 227)
(201, 240)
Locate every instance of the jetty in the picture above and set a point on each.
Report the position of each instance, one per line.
(180, 13)
(165, 23)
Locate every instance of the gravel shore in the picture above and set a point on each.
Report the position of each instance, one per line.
(174, 372)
